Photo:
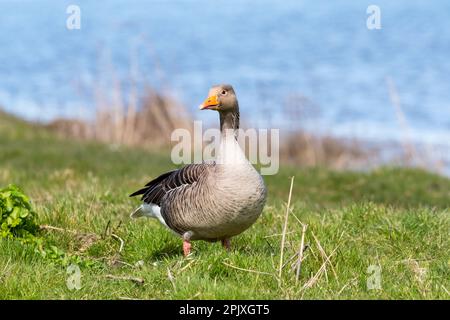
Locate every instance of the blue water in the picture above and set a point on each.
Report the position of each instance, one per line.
(269, 51)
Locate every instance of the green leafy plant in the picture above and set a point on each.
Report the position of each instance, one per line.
(17, 218)
(18, 221)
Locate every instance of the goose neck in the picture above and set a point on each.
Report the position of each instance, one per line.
(229, 122)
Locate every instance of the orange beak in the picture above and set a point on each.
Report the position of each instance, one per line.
(211, 103)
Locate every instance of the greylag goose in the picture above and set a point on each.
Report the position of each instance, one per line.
(210, 201)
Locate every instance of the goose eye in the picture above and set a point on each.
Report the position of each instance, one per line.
(224, 92)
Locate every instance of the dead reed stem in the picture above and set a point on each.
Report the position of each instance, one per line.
(128, 111)
(408, 147)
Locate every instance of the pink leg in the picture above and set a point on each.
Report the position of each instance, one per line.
(226, 243)
(186, 248)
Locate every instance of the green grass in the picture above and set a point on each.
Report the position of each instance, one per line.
(396, 219)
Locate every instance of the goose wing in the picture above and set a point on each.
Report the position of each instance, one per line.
(155, 190)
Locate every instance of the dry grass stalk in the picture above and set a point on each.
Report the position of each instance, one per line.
(248, 270)
(171, 279)
(423, 156)
(283, 238)
(136, 280)
(120, 240)
(295, 255)
(318, 274)
(278, 234)
(445, 289)
(48, 227)
(408, 147)
(187, 266)
(324, 255)
(300, 252)
(350, 283)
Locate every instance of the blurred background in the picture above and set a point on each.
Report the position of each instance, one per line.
(343, 96)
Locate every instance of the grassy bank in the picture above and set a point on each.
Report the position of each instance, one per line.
(394, 219)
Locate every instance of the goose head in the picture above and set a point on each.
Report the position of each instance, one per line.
(221, 98)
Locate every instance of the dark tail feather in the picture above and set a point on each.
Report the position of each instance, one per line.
(152, 183)
(142, 191)
(160, 178)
